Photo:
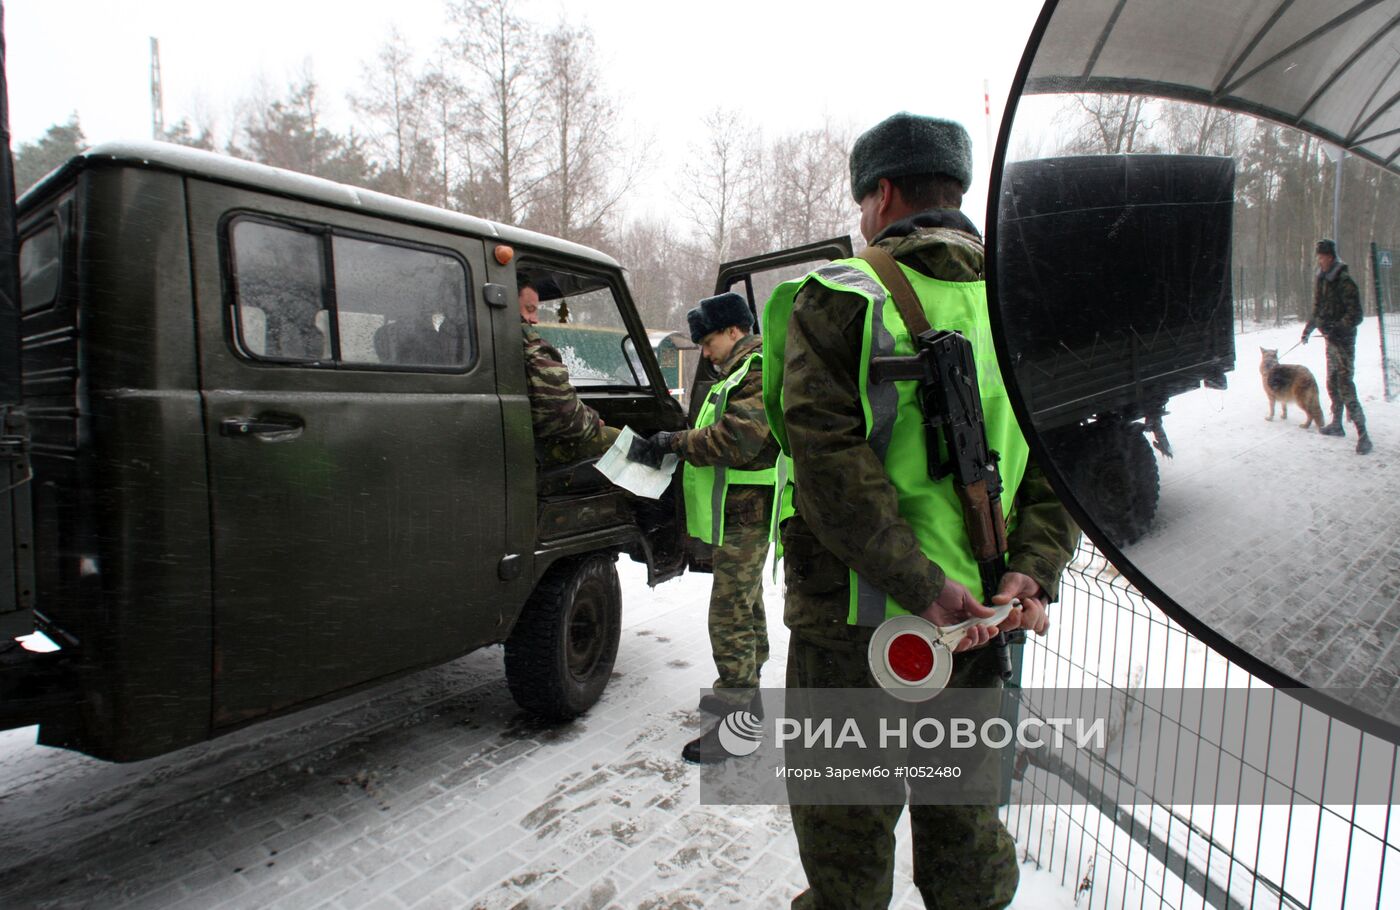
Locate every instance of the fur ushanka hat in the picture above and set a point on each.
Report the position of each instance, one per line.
(716, 313)
(907, 144)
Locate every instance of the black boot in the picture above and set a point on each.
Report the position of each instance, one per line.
(706, 749)
(1363, 440)
(713, 704)
(1335, 427)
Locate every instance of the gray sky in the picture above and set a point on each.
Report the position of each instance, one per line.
(785, 66)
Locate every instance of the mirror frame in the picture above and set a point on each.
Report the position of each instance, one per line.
(1256, 666)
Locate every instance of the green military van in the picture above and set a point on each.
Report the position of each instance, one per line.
(275, 445)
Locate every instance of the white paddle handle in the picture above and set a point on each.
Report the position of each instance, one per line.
(951, 635)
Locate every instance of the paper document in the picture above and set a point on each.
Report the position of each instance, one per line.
(631, 476)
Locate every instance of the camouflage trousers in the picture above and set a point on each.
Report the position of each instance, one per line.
(964, 858)
(557, 453)
(738, 627)
(1341, 390)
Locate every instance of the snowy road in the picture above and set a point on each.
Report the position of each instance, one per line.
(1282, 539)
(430, 792)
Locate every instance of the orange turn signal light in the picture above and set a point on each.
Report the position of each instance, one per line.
(504, 254)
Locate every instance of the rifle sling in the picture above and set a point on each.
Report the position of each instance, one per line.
(895, 281)
(981, 516)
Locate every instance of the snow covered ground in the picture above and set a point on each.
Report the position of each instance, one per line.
(433, 792)
(1293, 853)
(1281, 539)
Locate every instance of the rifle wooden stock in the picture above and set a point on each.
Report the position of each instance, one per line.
(986, 528)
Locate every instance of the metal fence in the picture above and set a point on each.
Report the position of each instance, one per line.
(1272, 295)
(1387, 291)
(1297, 854)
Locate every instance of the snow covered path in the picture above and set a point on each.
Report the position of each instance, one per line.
(430, 792)
(1282, 539)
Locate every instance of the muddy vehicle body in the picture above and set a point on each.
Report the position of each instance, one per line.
(274, 445)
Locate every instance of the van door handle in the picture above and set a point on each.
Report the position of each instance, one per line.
(264, 425)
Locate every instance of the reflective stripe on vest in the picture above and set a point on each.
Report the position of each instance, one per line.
(707, 487)
(893, 420)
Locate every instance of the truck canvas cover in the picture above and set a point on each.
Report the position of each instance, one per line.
(1114, 278)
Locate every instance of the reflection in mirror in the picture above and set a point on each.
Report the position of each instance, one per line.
(1156, 271)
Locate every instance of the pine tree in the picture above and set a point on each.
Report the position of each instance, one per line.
(33, 160)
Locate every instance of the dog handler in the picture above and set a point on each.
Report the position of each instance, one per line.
(1336, 314)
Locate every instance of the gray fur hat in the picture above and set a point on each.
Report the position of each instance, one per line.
(716, 313)
(1327, 246)
(907, 144)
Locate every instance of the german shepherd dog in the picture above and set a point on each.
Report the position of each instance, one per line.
(1285, 383)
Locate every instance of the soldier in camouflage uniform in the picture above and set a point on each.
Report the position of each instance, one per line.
(1336, 314)
(908, 176)
(739, 442)
(566, 429)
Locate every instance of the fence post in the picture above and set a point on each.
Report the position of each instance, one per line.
(1382, 286)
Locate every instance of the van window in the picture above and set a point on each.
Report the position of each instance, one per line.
(40, 265)
(388, 305)
(580, 316)
(279, 292)
(400, 305)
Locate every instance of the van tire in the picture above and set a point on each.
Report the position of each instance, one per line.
(560, 654)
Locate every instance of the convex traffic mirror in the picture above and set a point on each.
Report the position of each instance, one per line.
(1162, 187)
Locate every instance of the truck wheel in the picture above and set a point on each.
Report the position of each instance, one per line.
(560, 654)
(1114, 475)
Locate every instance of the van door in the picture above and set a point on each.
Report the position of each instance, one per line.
(754, 278)
(354, 431)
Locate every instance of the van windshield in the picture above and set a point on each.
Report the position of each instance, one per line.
(581, 317)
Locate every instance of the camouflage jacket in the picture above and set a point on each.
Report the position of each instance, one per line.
(1336, 304)
(739, 439)
(847, 509)
(555, 411)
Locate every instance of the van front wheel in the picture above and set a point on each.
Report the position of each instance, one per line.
(560, 654)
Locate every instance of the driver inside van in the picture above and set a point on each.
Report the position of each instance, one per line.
(566, 429)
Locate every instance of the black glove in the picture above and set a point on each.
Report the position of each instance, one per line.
(650, 451)
(1306, 336)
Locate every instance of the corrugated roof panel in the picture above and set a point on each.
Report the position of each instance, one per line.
(1331, 67)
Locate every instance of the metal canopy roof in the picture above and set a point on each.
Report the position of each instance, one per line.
(1331, 67)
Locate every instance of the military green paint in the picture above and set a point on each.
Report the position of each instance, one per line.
(213, 580)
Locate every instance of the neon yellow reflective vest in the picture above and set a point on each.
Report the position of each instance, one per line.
(893, 420)
(707, 486)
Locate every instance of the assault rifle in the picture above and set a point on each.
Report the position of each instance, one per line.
(951, 402)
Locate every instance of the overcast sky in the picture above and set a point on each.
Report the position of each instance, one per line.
(786, 66)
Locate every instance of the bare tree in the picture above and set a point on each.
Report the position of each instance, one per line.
(496, 46)
(448, 125)
(582, 186)
(1109, 124)
(805, 193)
(717, 182)
(1199, 129)
(392, 108)
(659, 267)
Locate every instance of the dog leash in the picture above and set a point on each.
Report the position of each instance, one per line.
(1290, 350)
